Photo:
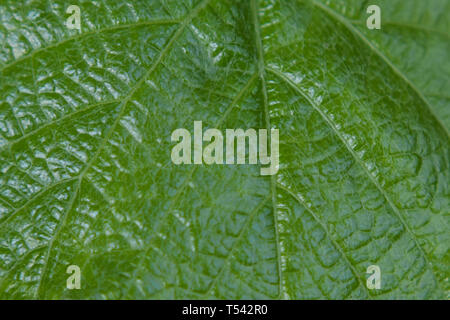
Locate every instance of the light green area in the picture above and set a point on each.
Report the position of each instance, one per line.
(85, 170)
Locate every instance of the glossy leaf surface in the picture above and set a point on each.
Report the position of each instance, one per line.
(86, 176)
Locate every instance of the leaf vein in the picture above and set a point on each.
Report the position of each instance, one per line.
(359, 161)
(86, 34)
(341, 19)
(324, 227)
(162, 54)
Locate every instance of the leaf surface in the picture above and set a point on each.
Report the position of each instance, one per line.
(86, 176)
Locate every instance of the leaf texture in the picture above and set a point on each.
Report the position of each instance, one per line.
(85, 171)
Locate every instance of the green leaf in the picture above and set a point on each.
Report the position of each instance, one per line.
(86, 176)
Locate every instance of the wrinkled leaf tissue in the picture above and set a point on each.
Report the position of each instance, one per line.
(93, 207)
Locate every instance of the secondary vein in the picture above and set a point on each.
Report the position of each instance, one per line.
(360, 162)
(162, 54)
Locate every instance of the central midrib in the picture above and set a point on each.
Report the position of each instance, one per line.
(261, 72)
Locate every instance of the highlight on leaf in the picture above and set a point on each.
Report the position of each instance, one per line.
(358, 207)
